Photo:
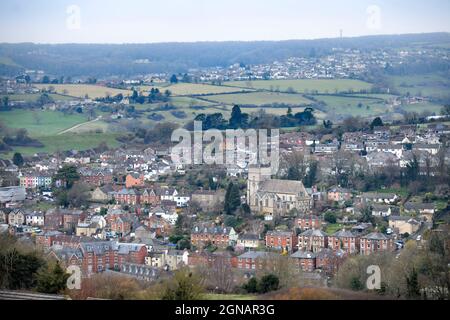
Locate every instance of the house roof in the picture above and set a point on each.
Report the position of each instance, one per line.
(303, 255)
(376, 236)
(313, 233)
(343, 234)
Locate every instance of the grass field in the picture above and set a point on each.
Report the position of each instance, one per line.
(81, 90)
(349, 106)
(82, 141)
(182, 89)
(260, 98)
(304, 85)
(40, 123)
(421, 107)
(32, 97)
(425, 85)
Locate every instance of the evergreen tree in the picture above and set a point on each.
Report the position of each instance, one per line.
(293, 174)
(52, 280)
(18, 159)
(232, 199)
(377, 122)
(412, 285)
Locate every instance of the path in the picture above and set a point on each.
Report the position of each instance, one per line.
(79, 125)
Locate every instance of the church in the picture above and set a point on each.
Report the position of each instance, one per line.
(274, 197)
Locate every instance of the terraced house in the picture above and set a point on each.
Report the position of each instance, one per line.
(95, 257)
(221, 237)
(34, 180)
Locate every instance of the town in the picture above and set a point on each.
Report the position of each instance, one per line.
(135, 212)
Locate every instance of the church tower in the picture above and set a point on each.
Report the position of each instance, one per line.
(256, 175)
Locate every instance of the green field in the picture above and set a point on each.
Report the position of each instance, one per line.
(260, 98)
(426, 85)
(40, 123)
(32, 97)
(82, 141)
(422, 107)
(186, 89)
(81, 90)
(350, 106)
(304, 85)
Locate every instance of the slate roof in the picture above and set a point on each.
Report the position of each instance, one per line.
(303, 255)
(314, 233)
(283, 186)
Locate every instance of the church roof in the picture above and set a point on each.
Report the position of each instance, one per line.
(283, 186)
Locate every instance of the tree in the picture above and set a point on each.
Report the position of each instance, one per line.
(294, 174)
(18, 269)
(238, 119)
(45, 79)
(356, 284)
(268, 283)
(232, 198)
(52, 280)
(412, 285)
(251, 286)
(184, 285)
(173, 79)
(78, 195)
(377, 122)
(68, 175)
(330, 217)
(18, 159)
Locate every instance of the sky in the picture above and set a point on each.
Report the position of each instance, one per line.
(150, 21)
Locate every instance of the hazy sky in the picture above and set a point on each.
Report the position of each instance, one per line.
(142, 21)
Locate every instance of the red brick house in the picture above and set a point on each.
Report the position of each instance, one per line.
(126, 196)
(95, 177)
(255, 260)
(312, 240)
(281, 240)
(376, 242)
(150, 196)
(329, 260)
(344, 240)
(304, 260)
(306, 222)
(221, 237)
(45, 240)
(95, 257)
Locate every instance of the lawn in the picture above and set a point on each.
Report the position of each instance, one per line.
(186, 89)
(260, 98)
(40, 123)
(81, 90)
(332, 228)
(68, 141)
(304, 85)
